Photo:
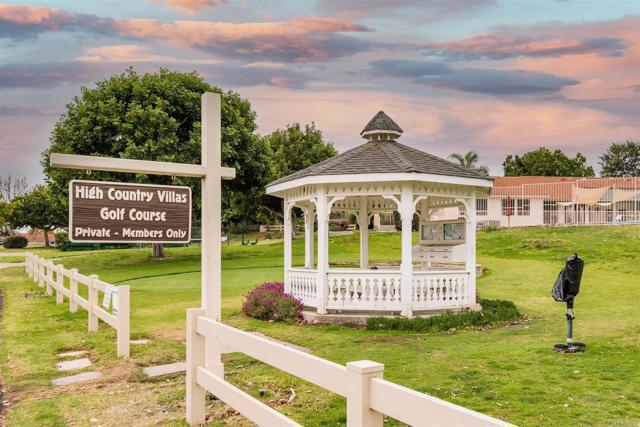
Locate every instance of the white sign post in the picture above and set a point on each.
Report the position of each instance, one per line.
(211, 173)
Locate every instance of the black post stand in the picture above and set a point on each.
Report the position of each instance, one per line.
(570, 346)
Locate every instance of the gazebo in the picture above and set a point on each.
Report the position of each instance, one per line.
(382, 176)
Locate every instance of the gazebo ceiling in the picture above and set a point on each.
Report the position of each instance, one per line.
(383, 155)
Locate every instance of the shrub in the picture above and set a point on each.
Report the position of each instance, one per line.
(269, 302)
(338, 224)
(493, 312)
(60, 238)
(15, 242)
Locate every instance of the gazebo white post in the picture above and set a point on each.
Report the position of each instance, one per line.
(287, 245)
(363, 223)
(309, 216)
(407, 208)
(470, 208)
(323, 250)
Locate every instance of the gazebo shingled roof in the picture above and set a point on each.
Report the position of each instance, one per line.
(381, 122)
(383, 156)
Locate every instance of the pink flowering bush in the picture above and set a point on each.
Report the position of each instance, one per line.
(269, 302)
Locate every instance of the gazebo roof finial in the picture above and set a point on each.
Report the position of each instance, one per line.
(381, 127)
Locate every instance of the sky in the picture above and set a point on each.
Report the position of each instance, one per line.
(495, 76)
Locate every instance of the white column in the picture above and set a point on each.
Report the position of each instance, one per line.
(470, 207)
(323, 250)
(309, 241)
(406, 210)
(287, 245)
(211, 279)
(363, 223)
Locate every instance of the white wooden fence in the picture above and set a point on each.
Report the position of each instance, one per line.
(115, 307)
(368, 395)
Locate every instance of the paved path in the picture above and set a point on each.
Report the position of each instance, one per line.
(73, 379)
(171, 368)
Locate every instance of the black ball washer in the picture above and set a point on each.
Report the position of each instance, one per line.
(565, 289)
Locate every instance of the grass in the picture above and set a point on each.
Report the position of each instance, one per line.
(509, 372)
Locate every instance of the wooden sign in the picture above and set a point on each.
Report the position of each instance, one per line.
(116, 212)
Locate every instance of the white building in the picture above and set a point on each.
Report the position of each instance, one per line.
(542, 200)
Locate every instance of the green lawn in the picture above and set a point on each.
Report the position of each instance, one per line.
(509, 372)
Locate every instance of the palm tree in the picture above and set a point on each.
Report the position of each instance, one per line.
(468, 160)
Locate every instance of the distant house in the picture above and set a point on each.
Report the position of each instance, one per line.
(542, 200)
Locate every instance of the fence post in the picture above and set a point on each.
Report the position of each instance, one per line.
(359, 374)
(195, 358)
(27, 264)
(59, 284)
(73, 290)
(35, 269)
(124, 311)
(43, 272)
(93, 302)
(49, 278)
(40, 272)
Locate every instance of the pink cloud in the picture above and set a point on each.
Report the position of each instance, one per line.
(122, 53)
(46, 17)
(505, 45)
(602, 77)
(608, 39)
(301, 39)
(190, 7)
(492, 127)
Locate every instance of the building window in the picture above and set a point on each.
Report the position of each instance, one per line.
(507, 206)
(482, 206)
(524, 207)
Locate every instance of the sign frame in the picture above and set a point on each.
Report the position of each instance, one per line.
(147, 242)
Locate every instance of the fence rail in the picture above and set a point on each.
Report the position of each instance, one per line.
(369, 397)
(115, 308)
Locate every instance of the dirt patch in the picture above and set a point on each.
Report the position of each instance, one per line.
(389, 339)
(171, 334)
(40, 293)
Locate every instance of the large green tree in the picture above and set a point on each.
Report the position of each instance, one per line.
(156, 117)
(543, 162)
(292, 149)
(468, 160)
(38, 209)
(621, 159)
(296, 147)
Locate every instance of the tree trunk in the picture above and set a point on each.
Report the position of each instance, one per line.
(158, 250)
(46, 237)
